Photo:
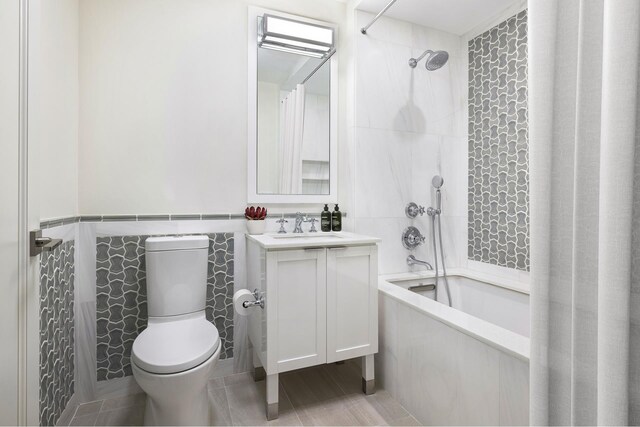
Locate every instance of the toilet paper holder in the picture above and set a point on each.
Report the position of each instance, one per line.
(258, 302)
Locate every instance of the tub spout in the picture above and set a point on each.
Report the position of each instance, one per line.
(411, 260)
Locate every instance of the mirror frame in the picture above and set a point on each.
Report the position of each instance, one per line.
(252, 123)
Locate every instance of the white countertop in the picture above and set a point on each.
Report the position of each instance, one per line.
(311, 240)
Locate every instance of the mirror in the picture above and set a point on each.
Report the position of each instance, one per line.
(293, 124)
(292, 152)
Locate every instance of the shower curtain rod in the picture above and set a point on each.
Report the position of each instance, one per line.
(319, 65)
(364, 29)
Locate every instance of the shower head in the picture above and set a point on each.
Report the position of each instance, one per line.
(435, 59)
(437, 181)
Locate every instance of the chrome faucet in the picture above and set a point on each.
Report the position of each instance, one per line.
(411, 260)
(300, 218)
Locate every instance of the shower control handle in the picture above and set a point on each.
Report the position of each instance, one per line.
(412, 210)
(412, 238)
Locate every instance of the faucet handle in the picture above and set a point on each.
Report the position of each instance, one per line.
(282, 222)
(412, 210)
(313, 225)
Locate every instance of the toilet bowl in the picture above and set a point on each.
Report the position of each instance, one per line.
(171, 361)
(173, 357)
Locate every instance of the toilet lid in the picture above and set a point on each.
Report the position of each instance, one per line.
(176, 346)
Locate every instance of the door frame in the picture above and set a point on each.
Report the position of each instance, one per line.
(28, 267)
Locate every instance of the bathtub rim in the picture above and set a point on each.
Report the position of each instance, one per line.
(493, 335)
(501, 282)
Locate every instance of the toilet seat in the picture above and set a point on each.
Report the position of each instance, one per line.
(172, 346)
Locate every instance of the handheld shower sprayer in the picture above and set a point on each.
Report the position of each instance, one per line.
(437, 182)
(436, 229)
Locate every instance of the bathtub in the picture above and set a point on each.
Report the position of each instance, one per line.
(461, 365)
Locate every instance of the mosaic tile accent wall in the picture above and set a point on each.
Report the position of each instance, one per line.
(499, 146)
(57, 331)
(121, 298)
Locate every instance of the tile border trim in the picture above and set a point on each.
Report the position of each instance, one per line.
(57, 222)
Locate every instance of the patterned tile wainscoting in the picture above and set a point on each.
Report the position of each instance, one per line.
(498, 146)
(121, 298)
(57, 353)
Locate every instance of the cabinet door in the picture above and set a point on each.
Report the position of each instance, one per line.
(352, 302)
(296, 308)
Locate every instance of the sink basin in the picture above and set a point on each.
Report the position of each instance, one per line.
(317, 235)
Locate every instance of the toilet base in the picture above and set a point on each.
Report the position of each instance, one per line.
(177, 399)
(195, 413)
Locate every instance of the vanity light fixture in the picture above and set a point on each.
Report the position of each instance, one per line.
(287, 35)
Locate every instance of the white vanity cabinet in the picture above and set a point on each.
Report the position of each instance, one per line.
(296, 305)
(352, 302)
(320, 304)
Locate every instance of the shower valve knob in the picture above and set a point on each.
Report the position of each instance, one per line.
(412, 238)
(413, 210)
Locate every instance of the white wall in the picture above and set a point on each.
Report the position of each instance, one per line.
(410, 124)
(53, 104)
(163, 109)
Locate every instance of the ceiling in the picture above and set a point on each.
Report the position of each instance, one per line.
(452, 16)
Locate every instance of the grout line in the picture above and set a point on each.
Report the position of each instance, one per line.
(286, 396)
(226, 395)
(74, 413)
(330, 377)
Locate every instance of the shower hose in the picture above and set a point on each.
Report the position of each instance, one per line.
(435, 218)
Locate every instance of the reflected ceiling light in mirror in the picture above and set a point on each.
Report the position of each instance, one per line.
(292, 36)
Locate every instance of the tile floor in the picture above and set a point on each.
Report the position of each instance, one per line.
(322, 395)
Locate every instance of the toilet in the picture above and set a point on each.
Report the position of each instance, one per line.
(173, 357)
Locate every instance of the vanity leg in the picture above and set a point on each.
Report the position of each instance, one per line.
(272, 397)
(368, 375)
(258, 371)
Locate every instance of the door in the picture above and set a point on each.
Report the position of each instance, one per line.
(352, 301)
(19, 273)
(296, 308)
(18, 385)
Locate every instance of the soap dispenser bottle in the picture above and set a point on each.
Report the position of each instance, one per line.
(336, 219)
(325, 219)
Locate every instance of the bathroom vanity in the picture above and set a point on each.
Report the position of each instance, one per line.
(320, 294)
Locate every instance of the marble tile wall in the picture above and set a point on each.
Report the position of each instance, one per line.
(121, 289)
(57, 331)
(498, 146)
(461, 381)
(410, 124)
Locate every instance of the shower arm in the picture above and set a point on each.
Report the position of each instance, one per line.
(413, 62)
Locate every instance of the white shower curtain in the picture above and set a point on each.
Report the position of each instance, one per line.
(585, 201)
(291, 131)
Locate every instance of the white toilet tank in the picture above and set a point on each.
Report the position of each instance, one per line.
(176, 274)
